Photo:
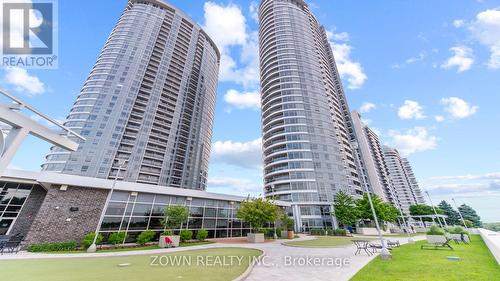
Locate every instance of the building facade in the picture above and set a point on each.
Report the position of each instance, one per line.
(47, 207)
(373, 168)
(149, 100)
(307, 152)
(403, 180)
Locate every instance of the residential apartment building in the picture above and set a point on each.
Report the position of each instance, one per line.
(307, 151)
(373, 168)
(149, 100)
(403, 180)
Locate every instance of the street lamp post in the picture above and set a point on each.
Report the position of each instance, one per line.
(460, 213)
(434, 208)
(384, 253)
(405, 222)
(93, 247)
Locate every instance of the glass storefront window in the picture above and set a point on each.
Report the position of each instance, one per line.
(208, 223)
(115, 209)
(119, 196)
(111, 223)
(210, 212)
(142, 210)
(138, 223)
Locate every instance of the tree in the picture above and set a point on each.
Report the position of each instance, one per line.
(258, 212)
(470, 214)
(345, 209)
(423, 210)
(174, 217)
(453, 216)
(385, 212)
(286, 221)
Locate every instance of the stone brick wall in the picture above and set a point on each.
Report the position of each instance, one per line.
(29, 211)
(56, 223)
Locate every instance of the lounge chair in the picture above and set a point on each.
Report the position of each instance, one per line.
(435, 246)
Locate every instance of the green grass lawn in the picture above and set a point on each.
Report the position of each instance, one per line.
(409, 262)
(323, 241)
(140, 268)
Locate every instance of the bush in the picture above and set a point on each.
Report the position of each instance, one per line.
(53, 247)
(268, 232)
(435, 231)
(202, 234)
(89, 238)
(318, 231)
(186, 235)
(145, 237)
(457, 230)
(117, 237)
(340, 232)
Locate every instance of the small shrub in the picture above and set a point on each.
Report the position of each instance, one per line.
(117, 237)
(168, 232)
(435, 231)
(318, 231)
(53, 247)
(145, 237)
(340, 232)
(269, 232)
(202, 234)
(186, 235)
(89, 238)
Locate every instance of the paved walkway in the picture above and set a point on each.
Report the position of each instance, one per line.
(280, 262)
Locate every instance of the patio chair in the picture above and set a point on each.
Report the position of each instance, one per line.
(12, 246)
(435, 246)
(375, 246)
(393, 244)
(361, 245)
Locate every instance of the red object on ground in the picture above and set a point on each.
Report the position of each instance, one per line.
(168, 241)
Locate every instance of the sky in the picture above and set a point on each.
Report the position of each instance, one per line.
(424, 74)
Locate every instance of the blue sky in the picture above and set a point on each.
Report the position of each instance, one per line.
(425, 74)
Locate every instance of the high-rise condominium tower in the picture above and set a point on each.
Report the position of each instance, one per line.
(149, 99)
(308, 157)
(403, 180)
(373, 168)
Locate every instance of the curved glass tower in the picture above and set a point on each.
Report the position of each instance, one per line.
(149, 99)
(306, 122)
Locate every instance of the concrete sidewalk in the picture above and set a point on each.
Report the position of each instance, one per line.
(287, 263)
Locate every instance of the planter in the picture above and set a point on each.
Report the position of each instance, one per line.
(290, 234)
(436, 239)
(174, 241)
(369, 231)
(255, 237)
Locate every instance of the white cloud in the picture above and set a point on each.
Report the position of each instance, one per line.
(226, 25)
(348, 69)
(235, 184)
(486, 28)
(254, 11)
(458, 108)
(458, 23)
(488, 176)
(462, 59)
(439, 118)
(23, 81)
(413, 140)
(241, 154)
(411, 110)
(243, 100)
(367, 107)
(421, 56)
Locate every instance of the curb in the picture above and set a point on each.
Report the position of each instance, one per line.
(247, 272)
